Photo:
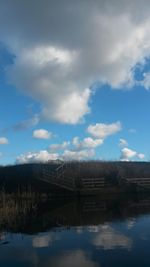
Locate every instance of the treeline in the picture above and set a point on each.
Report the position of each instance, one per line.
(114, 169)
(24, 178)
(30, 177)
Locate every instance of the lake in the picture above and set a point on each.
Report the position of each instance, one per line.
(88, 232)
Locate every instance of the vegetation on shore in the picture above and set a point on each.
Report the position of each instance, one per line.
(30, 177)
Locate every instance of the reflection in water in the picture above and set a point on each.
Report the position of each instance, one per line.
(73, 259)
(2, 237)
(108, 238)
(35, 215)
(18, 256)
(44, 240)
(3, 240)
(93, 228)
(84, 232)
(131, 223)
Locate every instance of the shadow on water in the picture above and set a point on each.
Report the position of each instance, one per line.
(35, 215)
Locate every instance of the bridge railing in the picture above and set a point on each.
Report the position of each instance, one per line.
(58, 177)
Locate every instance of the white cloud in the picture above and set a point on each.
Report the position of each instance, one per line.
(76, 145)
(128, 154)
(68, 109)
(3, 141)
(72, 46)
(77, 149)
(44, 156)
(41, 156)
(102, 130)
(57, 147)
(86, 143)
(41, 134)
(146, 81)
(123, 142)
(78, 155)
(141, 156)
(46, 78)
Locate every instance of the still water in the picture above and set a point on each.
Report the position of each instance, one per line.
(108, 231)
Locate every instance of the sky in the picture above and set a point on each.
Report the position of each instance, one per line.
(74, 80)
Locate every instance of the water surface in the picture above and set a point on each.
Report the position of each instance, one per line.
(88, 232)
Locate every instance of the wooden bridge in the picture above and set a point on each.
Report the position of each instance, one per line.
(139, 182)
(56, 176)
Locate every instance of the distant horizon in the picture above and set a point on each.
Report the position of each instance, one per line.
(74, 161)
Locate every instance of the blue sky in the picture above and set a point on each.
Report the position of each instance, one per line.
(74, 86)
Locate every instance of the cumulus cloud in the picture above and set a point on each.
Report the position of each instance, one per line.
(73, 45)
(86, 143)
(123, 142)
(32, 157)
(76, 150)
(56, 147)
(48, 82)
(141, 156)
(78, 155)
(44, 156)
(76, 144)
(128, 154)
(41, 134)
(102, 130)
(71, 150)
(146, 81)
(3, 141)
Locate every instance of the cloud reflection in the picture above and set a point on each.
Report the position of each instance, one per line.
(108, 238)
(43, 241)
(73, 259)
(131, 223)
